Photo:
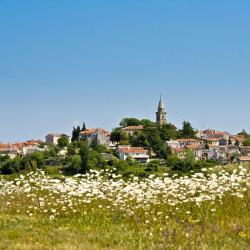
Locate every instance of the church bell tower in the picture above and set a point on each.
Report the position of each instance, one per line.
(161, 114)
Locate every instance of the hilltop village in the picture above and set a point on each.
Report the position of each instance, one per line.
(142, 141)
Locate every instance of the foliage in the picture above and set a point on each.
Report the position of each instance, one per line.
(153, 166)
(244, 133)
(247, 142)
(73, 164)
(83, 126)
(136, 122)
(9, 166)
(153, 139)
(71, 149)
(63, 141)
(147, 123)
(27, 163)
(32, 161)
(188, 163)
(76, 134)
(52, 151)
(84, 154)
(95, 160)
(117, 135)
(129, 122)
(102, 149)
(187, 130)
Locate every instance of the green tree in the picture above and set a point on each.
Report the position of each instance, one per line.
(95, 160)
(76, 133)
(175, 163)
(83, 127)
(71, 149)
(187, 130)
(140, 140)
(10, 166)
(153, 166)
(52, 151)
(94, 143)
(247, 142)
(168, 131)
(189, 161)
(102, 149)
(244, 133)
(117, 135)
(147, 123)
(85, 155)
(33, 161)
(129, 122)
(63, 141)
(73, 164)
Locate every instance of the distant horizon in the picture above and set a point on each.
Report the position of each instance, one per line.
(69, 132)
(65, 62)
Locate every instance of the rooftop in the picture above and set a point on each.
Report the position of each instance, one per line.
(128, 149)
(132, 128)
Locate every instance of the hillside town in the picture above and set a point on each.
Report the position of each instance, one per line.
(208, 144)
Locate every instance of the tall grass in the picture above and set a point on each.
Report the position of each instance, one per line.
(101, 211)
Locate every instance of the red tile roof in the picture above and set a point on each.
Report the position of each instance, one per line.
(213, 139)
(90, 131)
(193, 147)
(188, 140)
(5, 146)
(178, 150)
(213, 146)
(244, 158)
(133, 128)
(132, 150)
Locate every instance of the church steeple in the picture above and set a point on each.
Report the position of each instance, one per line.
(161, 105)
(161, 114)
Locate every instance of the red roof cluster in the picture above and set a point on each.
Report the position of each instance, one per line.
(90, 131)
(19, 145)
(127, 150)
(188, 140)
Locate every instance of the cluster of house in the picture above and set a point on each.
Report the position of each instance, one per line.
(102, 137)
(19, 149)
(213, 145)
(209, 144)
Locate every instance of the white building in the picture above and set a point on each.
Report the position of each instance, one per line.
(101, 136)
(53, 138)
(137, 153)
(189, 141)
(173, 144)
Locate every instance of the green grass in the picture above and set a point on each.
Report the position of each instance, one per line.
(228, 228)
(96, 226)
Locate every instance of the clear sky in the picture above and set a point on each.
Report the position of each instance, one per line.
(67, 61)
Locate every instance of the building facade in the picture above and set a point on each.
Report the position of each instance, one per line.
(161, 115)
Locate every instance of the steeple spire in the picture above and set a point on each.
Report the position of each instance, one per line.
(161, 104)
(161, 114)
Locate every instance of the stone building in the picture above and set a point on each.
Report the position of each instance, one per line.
(161, 115)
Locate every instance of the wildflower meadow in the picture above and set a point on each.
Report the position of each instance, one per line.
(101, 210)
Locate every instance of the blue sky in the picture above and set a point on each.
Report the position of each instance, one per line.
(67, 61)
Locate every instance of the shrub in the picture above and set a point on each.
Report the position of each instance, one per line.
(10, 166)
(153, 166)
(73, 164)
(32, 161)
